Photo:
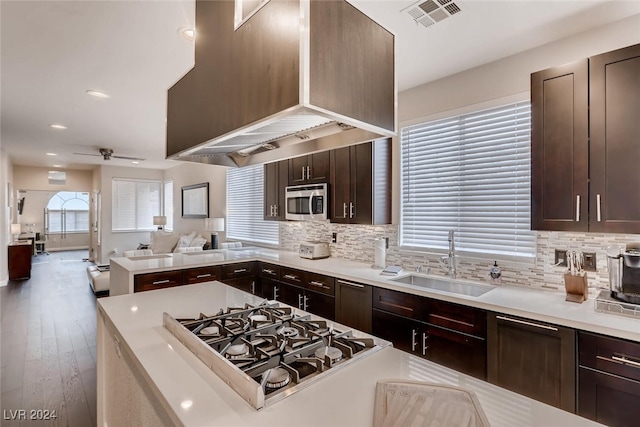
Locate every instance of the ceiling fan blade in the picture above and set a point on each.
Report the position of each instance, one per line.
(127, 158)
(87, 154)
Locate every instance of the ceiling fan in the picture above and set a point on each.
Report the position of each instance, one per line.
(107, 154)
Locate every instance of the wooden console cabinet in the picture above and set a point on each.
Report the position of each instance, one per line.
(19, 261)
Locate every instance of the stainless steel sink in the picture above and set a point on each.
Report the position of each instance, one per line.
(454, 287)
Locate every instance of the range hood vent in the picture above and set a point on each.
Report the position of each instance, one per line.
(291, 72)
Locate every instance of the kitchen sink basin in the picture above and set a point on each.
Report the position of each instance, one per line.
(454, 287)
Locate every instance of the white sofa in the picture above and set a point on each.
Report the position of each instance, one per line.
(99, 280)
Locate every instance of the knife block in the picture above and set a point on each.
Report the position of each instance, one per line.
(577, 287)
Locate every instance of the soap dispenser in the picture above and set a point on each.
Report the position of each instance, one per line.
(496, 274)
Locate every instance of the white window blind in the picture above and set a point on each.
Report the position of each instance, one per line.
(134, 203)
(245, 195)
(470, 174)
(168, 204)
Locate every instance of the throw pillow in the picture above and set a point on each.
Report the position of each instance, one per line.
(163, 242)
(198, 242)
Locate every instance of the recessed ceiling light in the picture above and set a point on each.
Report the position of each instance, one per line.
(188, 33)
(135, 162)
(97, 94)
(51, 154)
(57, 126)
(57, 166)
(186, 404)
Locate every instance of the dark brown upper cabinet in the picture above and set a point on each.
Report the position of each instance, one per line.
(560, 148)
(311, 169)
(276, 178)
(360, 183)
(584, 144)
(615, 141)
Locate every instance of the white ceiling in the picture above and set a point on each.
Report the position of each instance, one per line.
(53, 52)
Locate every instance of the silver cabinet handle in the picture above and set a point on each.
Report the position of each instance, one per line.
(160, 282)
(253, 287)
(319, 284)
(271, 211)
(522, 322)
(624, 360)
(266, 270)
(344, 210)
(275, 293)
(303, 174)
(202, 276)
(413, 339)
(240, 270)
(578, 208)
(351, 209)
(305, 303)
(300, 302)
(355, 285)
(275, 210)
(425, 337)
(598, 208)
(290, 277)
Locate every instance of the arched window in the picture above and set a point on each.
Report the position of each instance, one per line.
(68, 212)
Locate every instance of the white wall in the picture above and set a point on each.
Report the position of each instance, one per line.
(34, 178)
(119, 241)
(6, 185)
(196, 173)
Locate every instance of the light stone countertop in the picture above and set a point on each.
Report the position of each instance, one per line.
(536, 304)
(345, 398)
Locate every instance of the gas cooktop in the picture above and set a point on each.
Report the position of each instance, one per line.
(269, 351)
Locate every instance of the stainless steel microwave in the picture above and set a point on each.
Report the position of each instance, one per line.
(306, 202)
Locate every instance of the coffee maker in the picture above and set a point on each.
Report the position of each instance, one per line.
(623, 263)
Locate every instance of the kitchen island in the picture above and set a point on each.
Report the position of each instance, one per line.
(147, 377)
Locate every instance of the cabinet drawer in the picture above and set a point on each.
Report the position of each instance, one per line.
(457, 351)
(457, 317)
(397, 302)
(320, 283)
(202, 274)
(151, 281)
(270, 271)
(240, 269)
(612, 355)
(292, 276)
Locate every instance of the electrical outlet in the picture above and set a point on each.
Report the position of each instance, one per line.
(334, 238)
(560, 258)
(589, 261)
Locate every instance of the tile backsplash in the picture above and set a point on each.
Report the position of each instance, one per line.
(356, 242)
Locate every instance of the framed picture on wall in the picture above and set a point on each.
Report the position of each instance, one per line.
(195, 201)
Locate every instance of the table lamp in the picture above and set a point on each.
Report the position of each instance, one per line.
(214, 225)
(160, 221)
(15, 230)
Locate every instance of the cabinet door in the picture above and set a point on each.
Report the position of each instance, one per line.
(560, 148)
(340, 185)
(361, 183)
(292, 295)
(19, 261)
(406, 334)
(320, 304)
(615, 136)
(152, 281)
(608, 399)
(319, 167)
(298, 170)
(271, 289)
(353, 305)
(271, 189)
(532, 358)
(457, 351)
(247, 284)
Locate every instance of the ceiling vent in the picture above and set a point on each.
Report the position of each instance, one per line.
(427, 13)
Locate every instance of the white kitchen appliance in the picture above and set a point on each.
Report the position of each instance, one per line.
(314, 250)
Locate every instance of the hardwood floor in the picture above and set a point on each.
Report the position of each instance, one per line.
(48, 340)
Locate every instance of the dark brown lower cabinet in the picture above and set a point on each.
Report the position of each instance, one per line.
(405, 334)
(317, 303)
(247, 284)
(608, 380)
(532, 358)
(353, 305)
(19, 258)
(153, 281)
(464, 353)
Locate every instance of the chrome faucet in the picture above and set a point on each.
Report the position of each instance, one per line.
(448, 262)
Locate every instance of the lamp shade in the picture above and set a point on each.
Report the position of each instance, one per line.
(214, 224)
(159, 220)
(15, 229)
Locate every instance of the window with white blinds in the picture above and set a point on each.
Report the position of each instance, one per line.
(245, 199)
(168, 204)
(470, 174)
(134, 203)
